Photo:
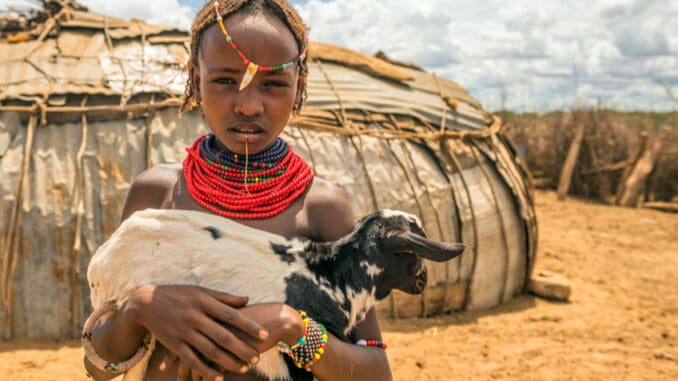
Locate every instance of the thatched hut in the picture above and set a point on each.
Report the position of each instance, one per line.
(88, 101)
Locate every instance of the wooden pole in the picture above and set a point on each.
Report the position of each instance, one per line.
(637, 151)
(571, 161)
(11, 252)
(639, 175)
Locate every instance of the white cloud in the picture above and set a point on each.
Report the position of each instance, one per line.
(523, 54)
(166, 12)
(19, 5)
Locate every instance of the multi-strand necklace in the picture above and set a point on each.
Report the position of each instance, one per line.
(251, 187)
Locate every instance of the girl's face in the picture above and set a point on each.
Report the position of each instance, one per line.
(257, 114)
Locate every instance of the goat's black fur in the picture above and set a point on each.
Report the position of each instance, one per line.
(216, 233)
(282, 252)
(346, 264)
(335, 282)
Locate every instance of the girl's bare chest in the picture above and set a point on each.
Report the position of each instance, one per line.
(292, 222)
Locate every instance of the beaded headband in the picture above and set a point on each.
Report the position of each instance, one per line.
(252, 68)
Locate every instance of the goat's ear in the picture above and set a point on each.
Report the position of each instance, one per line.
(422, 247)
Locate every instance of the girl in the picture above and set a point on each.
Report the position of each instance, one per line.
(248, 74)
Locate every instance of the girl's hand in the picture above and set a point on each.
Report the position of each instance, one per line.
(186, 320)
(281, 321)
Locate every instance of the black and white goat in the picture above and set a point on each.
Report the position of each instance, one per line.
(336, 282)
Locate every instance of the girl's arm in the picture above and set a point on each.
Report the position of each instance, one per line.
(341, 361)
(115, 340)
(188, 326)
(330, 218)
(182, 318)
(347, 361)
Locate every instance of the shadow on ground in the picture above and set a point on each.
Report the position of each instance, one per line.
(520, 303)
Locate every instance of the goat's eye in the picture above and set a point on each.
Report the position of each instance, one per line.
(416, 229)
(401, 254)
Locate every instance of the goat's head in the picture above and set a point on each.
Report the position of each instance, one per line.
(392, 246)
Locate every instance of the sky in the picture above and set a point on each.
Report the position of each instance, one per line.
(523, 55)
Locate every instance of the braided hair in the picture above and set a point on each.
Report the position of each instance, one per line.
(278, 8)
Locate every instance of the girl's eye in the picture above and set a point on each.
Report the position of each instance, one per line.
(275, 84)
(225, 81)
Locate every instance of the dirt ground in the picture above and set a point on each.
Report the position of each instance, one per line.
(621, 323)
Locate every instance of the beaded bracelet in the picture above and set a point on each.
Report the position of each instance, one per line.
(285, 348)
(371, 343)
(310, 347)
(307, 355)
(111, 367)
(303, 339)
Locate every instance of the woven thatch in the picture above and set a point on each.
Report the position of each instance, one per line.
(87, 102)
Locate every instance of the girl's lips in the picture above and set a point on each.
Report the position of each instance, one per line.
(246, 135)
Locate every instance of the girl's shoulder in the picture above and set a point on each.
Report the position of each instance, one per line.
(152, 188)
(328, 209)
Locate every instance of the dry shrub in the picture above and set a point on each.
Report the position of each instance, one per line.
(663, 183)
(610, 138)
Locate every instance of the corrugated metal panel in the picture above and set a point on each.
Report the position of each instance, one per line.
(400, 171)
(15, 52)
(136, 29)
(360, 91)
(37, 88)
(17, 73)
(82, 19)
(356, 61)
(81, 45)
(425, 81)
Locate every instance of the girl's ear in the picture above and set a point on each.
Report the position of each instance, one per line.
(300, 89)
(195, 82)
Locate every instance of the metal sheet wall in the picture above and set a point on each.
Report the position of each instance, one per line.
(484, 204)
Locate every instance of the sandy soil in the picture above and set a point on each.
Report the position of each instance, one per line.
(621, 324)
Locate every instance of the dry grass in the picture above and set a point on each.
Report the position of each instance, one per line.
(611, 136)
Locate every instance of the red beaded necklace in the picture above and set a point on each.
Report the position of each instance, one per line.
(241, 193)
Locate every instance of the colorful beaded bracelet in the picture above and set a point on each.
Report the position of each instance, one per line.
(304, 338)
(310, 347)
(147, 343)
(285, 348)
(371, 343)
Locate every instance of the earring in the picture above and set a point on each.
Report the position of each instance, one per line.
(194, 103)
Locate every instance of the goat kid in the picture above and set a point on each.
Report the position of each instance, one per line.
(335, 282)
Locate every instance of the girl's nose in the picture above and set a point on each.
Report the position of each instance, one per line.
(248, 102)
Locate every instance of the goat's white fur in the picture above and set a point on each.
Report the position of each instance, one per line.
(371, 269)
(241, 263)
(177, 247)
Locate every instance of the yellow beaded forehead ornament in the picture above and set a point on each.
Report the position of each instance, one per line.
(253, 68)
